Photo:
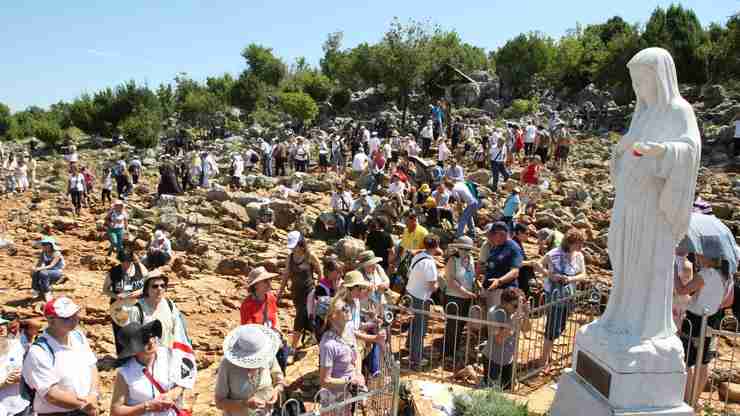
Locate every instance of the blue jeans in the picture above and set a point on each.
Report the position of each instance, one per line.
(372, 360)
(418, 330)
(467, 218)
(41, 281)
(496, 168)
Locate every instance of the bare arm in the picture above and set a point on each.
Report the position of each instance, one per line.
(690, 288)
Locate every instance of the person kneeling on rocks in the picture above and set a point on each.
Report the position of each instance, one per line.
(48, 269)
(159, 252)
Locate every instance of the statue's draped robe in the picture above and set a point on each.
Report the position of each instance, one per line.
(651, 209)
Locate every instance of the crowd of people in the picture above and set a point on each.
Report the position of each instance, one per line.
(340, 304)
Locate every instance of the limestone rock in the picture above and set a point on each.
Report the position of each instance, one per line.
(286, 213)
(235, 210)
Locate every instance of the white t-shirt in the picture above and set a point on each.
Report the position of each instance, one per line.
(530, 134)
(412, 148)
(498, 154)
(77, 182)
(373, 144)
(238, 167)
(359, 162)
(140, 389)
(427, 132)
(397, 187)
(423, 272)
(461, 192)
(443, 152)
(560, 265)
(70, 369)
(387, 150)
(11, 401)
(710, 296)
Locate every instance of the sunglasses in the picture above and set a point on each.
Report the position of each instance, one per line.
(159, 286)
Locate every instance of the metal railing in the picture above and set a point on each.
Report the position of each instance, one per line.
(458, 343)
(380, 396)
(714, 388)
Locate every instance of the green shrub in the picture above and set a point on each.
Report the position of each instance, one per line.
(487, 403)
(142, 128)
(520, 107)
(299, 105)
(340, 99)
(264, 118)
(48, 131)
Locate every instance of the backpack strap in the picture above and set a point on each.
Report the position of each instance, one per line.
(418, 261)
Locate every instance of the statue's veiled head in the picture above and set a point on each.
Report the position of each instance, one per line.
(653, 76)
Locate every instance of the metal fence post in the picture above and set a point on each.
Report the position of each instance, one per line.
(396, 387)
(697, 367)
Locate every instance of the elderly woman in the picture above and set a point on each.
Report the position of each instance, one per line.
(11, 362)
(338, 353)
(372, 271)
(301, 267)
(48, 269)
(249, 380)
(154, 305)
(460, 276)
(565, 267)
(145, 384)
(116, 224)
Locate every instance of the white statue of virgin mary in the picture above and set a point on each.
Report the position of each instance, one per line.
(653, 169)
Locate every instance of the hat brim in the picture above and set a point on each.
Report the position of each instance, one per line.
(350, 285)
(370, 262)
(260, 359)
(261, 278)
(134, 343)
(461, 246)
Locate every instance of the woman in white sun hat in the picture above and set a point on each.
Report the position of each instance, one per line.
(249, 380)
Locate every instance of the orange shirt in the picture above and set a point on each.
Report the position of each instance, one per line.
(252, 311)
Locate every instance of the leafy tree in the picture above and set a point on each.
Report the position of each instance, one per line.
(200, 107)
(221, 87)
(299, 105)
(404, 58)
(520, 59)
(47, 130)
(340, 99)
(83, 113)
(335, 61)
(142, 128)
(249, 92)
(6, 119)
(263, 64)
(312, 82)
(679, 31)
(166, 97)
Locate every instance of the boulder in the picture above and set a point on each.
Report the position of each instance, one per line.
(235, 210)
(233, 267)
(286, 213)
(312, 183)
(492, 106)
(481, 176)
(713, 95)
(218, 195)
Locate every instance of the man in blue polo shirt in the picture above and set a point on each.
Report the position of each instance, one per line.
(500, 261)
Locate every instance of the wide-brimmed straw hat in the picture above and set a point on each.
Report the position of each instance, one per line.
(354, 278)
(367, 258)
(464, 243)
(258, 274)
(251, 346)
(120, 310)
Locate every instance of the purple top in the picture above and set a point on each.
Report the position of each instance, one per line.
(337, 354)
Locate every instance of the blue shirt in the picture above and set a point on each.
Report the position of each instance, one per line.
(511, 206)
(437, 113)
(500, 261)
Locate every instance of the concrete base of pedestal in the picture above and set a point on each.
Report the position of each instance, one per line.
(576, 397)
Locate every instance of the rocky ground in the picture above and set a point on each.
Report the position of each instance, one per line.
(215, 249)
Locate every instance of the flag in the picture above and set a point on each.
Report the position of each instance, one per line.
(183, 369)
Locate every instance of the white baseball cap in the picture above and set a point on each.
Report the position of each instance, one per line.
(61, 307)
(293, 238)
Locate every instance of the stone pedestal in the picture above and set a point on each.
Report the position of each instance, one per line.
(614, 374)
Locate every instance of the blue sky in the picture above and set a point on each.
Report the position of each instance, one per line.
(54, 50)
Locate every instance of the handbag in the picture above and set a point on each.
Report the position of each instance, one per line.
(178, 412)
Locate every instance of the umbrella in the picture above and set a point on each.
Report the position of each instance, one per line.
(708, 236)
